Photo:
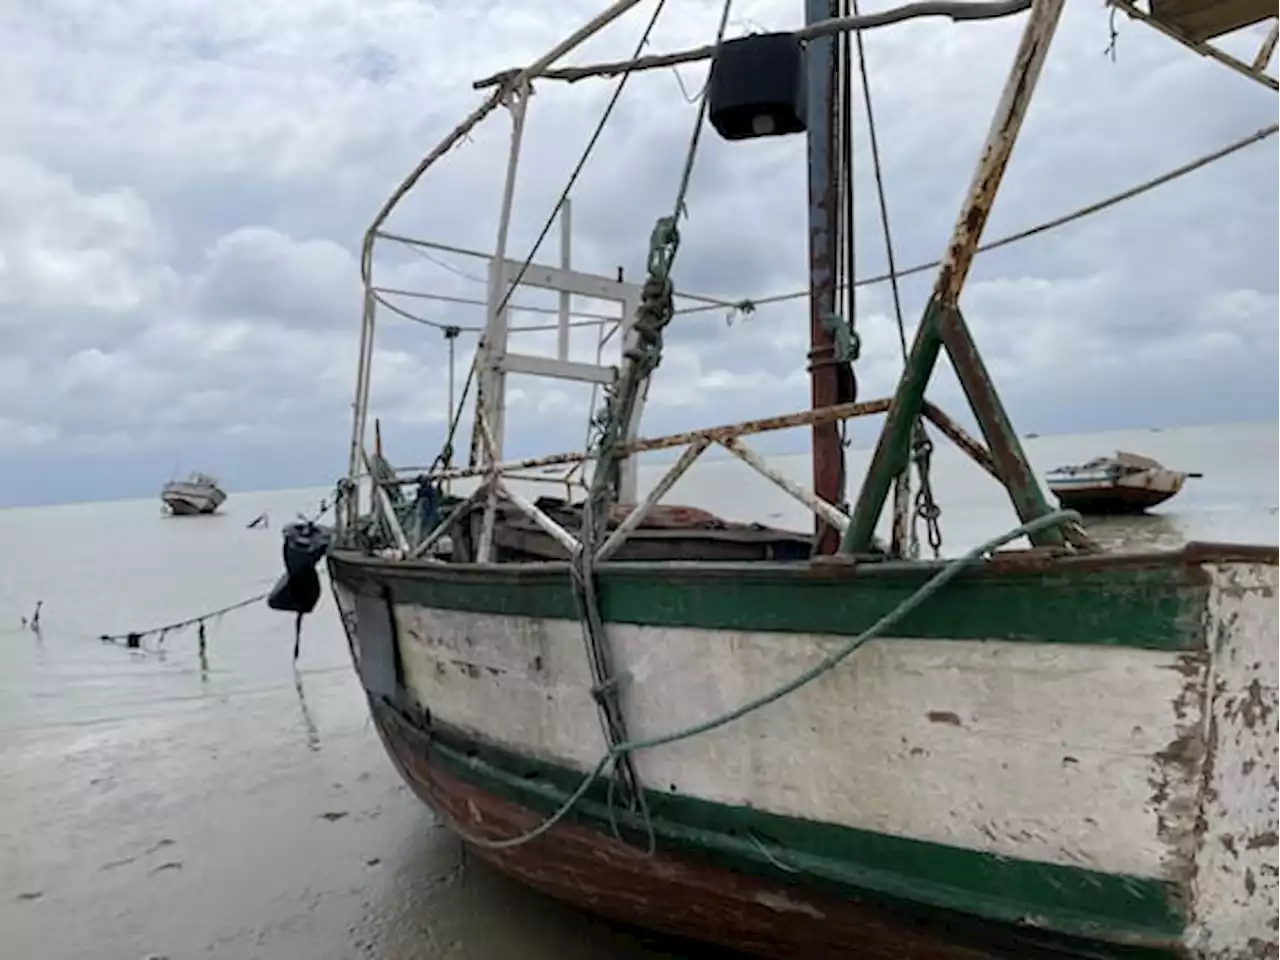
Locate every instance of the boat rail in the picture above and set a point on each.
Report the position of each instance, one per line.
(692, 443)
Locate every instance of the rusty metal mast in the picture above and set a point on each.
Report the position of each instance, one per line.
(830, 376)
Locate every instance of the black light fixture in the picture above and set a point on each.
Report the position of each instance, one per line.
(757, 87)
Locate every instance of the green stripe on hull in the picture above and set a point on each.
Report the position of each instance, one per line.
(1050, 909)
(1155, 606)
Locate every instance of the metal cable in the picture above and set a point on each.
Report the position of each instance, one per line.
(748, 304)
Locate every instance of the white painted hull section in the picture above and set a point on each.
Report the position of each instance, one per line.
(1041, 752)
(1234, 905)
(188, 498)
(1166, 483)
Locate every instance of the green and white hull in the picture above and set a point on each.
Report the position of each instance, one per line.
(1051, 757)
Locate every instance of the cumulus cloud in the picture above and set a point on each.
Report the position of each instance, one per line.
(183, 191)
(64, 250)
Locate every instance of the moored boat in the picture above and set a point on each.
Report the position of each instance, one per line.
(1038, 752)
(197, 494)
(1118, 484)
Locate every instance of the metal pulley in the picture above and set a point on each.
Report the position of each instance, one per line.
(757, 87)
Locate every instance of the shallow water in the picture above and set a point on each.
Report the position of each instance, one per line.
(157, 803)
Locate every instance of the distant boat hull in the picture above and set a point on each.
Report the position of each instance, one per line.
(1111, 500)
(1123, 484)
(198, 496)
(181, 506)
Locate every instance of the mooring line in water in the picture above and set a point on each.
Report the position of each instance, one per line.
(133, 638)
(828, 663)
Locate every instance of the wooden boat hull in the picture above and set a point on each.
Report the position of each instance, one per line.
(185, 507)
(677, 895)
(1097, 491)
(1112, 500)
(1068, 758)
(189, 500)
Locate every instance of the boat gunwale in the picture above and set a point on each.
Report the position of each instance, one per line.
(1152, 600)
(1002, 564)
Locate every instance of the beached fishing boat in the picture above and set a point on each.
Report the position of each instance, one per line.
(1116, 484)
(1047, 751)
(197, 494)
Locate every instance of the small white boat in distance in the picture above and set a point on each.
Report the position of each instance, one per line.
(199, 493)
(1121, 483)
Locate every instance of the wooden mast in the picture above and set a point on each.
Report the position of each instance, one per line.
(828, 385)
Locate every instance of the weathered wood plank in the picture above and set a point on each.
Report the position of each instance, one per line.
(1201, 20)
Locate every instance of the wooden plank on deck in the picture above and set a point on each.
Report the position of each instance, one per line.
(1201, 20)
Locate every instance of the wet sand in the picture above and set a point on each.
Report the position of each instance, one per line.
(260, 825)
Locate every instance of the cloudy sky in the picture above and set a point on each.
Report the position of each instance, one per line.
(183, 187)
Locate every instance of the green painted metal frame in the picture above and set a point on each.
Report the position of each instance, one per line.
(941, 328)
(943, 325)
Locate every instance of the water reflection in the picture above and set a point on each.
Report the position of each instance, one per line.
(203, 653)
(313, 733)
(1140, 532)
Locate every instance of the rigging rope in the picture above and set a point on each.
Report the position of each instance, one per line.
(381, 293)
(844, 331)
(654, 313)
(828, 663)
(640, 358)
(926, 506)
(748, 305)
(874, 143)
